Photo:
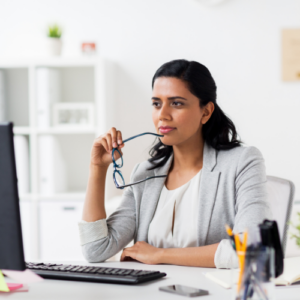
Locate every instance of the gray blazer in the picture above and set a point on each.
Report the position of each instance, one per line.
(232, 191)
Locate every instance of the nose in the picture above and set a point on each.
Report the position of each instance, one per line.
(164, 112)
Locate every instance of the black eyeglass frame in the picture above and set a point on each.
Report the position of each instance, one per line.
(115, 165)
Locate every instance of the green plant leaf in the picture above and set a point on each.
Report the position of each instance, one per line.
(54, 31)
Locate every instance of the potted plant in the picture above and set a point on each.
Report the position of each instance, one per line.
(54, 41)
(296, 236)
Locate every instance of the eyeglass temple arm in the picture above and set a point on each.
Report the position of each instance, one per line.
(133, 137)
(126, 185)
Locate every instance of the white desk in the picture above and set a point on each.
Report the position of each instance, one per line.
(64, 290)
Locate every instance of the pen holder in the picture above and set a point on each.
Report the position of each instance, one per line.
(255, 279)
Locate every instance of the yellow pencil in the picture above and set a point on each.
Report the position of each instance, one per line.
(228, 230)
(242, 247)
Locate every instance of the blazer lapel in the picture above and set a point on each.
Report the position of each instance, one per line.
(208, 191)
(150, 199)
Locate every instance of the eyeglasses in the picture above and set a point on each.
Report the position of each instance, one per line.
(116, 166)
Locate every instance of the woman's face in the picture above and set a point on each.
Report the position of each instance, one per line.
(176, 111)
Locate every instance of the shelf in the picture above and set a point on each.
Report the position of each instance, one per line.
(63, 196)
(79, 61)
(67, 130)
(81, 80)
(26, 197)
(22, 130)
(73, 196)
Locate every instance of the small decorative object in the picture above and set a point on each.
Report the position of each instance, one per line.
(88, 48)
(73, 114)
(297, 228)
(54, 41)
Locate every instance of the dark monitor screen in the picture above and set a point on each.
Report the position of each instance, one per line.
(11, 244)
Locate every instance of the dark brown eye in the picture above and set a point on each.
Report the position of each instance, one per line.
(177, 103)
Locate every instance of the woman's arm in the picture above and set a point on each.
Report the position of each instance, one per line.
(101, 238)
(110, 236)
(194, 256)
(251, 205)
(94, 209)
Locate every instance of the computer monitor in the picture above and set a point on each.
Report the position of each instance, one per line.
(11, 243)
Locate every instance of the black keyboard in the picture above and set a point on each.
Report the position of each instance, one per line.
(93, 274)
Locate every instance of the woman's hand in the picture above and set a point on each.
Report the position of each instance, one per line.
(103, 145)
(143, 252)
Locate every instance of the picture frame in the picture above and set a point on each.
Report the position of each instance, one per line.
(73, 114)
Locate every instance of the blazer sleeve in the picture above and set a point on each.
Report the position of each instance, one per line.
(104, 238)
(251, 205)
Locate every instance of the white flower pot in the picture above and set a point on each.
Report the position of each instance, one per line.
(54, 46)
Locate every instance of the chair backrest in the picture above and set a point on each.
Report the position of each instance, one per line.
(280, 196)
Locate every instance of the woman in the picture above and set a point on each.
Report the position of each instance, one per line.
(211, 181)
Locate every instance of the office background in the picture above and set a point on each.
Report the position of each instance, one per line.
(238, 40)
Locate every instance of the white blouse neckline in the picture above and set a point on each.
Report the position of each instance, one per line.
(163, 232)
(183, 184)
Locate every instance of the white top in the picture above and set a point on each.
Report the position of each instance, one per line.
(184, 202)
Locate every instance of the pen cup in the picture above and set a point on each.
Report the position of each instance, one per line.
(256, 279)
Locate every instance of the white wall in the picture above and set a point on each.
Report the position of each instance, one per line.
(238, 41)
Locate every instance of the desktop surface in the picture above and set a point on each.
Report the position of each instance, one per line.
(189, 276)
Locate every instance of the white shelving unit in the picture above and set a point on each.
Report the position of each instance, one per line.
(81, 81)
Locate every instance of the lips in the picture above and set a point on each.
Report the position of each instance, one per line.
(166, 129)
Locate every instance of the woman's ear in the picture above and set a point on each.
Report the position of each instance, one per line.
(207, 112)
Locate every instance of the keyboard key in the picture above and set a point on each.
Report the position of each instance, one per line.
(93, 270)
(75, 269)
(87, 270)
(82, 269)
(127, 272)
(142, 273)
(135, 272)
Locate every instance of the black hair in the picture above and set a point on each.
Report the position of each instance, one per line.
(219, 131)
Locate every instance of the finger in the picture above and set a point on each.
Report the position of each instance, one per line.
(128, 251)
(109, 141)
(119, 137)
(98, 140)
(128, 258)
(113, 133)
(103, 142)
(132, 259)
(125, 256)
(122, 256)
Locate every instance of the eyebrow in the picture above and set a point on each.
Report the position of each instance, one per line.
(170, 98)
